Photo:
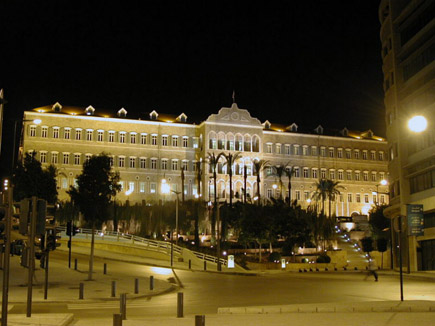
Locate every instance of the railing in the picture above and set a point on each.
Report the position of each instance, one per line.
(152, 245)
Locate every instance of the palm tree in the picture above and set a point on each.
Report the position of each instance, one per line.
(332, 190)
(198, 180)
(321, 192)
(230, 160)
(182, 185)
(279, 171)
(213, 160)
(289, 172)
(259, 166)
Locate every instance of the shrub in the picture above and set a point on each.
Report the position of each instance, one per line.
(325, 259)
(274, 256)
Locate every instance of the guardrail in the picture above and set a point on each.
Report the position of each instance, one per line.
(152, 245)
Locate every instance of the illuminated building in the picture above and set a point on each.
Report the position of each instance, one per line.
(147, 150)
(408, 54)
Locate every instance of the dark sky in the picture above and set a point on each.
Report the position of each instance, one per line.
(309, 62)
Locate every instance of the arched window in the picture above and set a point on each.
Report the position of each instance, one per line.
(239, 143)
(247, 143)
(230, 142)
(212, 141)
(221, 140)
(255, 143)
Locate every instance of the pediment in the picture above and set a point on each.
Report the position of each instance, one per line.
(234, 115)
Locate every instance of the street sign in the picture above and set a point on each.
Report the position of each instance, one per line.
(415, 219)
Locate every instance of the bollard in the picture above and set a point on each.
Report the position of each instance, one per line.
(136, 286)
(180, 305)
(200, 320)
(151, 282)
(123, 306)
(105, 268)
(81, 291)
(117, 320)
(75, 264)
(113, 289)
(190, 264)
(205, 265)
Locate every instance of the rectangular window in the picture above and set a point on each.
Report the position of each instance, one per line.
(278, 148)
(298, 194)
(175, 141)
(77, 159)
(184, 165)
(122, 137)
(89, 156)
(154, 140)
(194, 166)
(358, 198)
(296, 149)
(365, 176)
(164, 164)
(141, 187)
(374, 176)
(67, 133)
(381, 175)
(315, 173)
(269, 148)
(357, 176)
(143, 163)
(323, 151)
(306, 173)
(164, 140)
(131, 186)
(323, 173)
(64, 183)
(373, 155)
(340, 153)
(111, 136)
(78, 134)
(54, 157)
(356, 154)
(349, 175)
(195, 142)
(43, 157)
(305, 150)
(306, 195)
(381, 156)
(133, 138)
(56, 132)
(174, 165)
(382, 199)
(154, 164)
(366, 198)
(331, 152)
(143, 139)
(340, 175)
(313, 151)
(132, 162)
(287, 150)
(121, 161)
(89, 133)
(331, 174)
(153, 187)
(65, 158)
(269, 193)
(297, 173)
(44, 132)
(364, 155)
(348, 154)
(110, 161)
(349, 198)
(100, 135)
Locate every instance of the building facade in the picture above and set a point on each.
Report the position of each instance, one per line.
(408, 53)
(148, 151)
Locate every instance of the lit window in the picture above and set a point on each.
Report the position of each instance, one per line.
(153, 187)
(175, 141)
(100, 135)
(364, 155)
(32, 132)
(143, 139)
(195, 142)
(131, 186)
(278, 148)
(323, 151)
(142, 187)
(121, 161)
(56, 132)
(174, 165)
(305, 150)
(296, 149)
(365, 176)
(185, 141)
(313, 150)
(143, 163)
(164, 140)
(43, 157)
(154, 164)
(132, 162)
(54, 157)
(381, 175)
(358, 198)
(64, 183)
(44, 132)
(67, 133)
(111, 161)
(89, 133)
(78, 134)
(122, 137)
(111, 136)
(287, 150)
(154, 140)
(269, 148)
(65, 158)
(133, 138)
(306, 195)
(77, 159)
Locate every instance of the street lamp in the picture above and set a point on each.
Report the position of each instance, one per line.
(35, 121)
(383, 182)
(417, 123)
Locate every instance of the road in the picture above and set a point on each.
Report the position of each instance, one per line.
(205, 292)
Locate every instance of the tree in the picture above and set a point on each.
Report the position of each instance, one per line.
(259, 166)
(198, 180)
(367, 244)
(332, 190)
(379, 223)
(321, 193)
(382, 244)
(29, 179)
(279, 171)
(230, 160)
(289, 172)
(213, 161)
(96, 186)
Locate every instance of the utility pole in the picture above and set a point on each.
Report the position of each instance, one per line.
(5, 295)
(31, 256)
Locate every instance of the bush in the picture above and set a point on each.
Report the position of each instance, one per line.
(274, 256)
(325, 259)
(305, 260)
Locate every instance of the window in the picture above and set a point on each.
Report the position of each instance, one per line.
(306, 195)
(174, 141)
(306, 173)
(381, 156)
(78, 134)
(67, 133)
(111, 136)
(122, 137)
(269, 170)
(373, 155)
(56, 132)
(296, 149)
(366, 198)
(305, 150)
(314, 173)
(298, 194)
(382, 199)
(77, 159)
(143, 139)
(287, 150)
(131, 186)
(340, 153)
(153, 187)
(357, 176)
(313, 150)
(184, 165)
(43, 157)
(278, 148)
(110, 161)
(121, 161)
(349, 198)
(164, 164)
(331, 152)
(44, 132)
(365, 176)
(269, 193)
(381, 175)
(323, 151)
(143, 163)
(89, 133)
(132, 163)
(133, 138)
(64, 183)
(358, 198)
(89, 156)
(121, 183)
(195, 142)
(100, 135)
(174, 165)
(323, 173)
(142, 187)
(364, 155)
(268, 148)
(374, 178)
(297, 173)
(348, 154)
(65, 158)
(340, 175)
(154, 140)
(356, 154)
(164, 140)
(349, 175)
(194, 166)
(185, 141)
(54, 158)
(332, 174)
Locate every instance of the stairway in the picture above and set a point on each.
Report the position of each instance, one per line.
(355, 258)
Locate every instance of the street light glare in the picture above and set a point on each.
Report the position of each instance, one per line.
(417, 123)
(384, 182)
(37, 121)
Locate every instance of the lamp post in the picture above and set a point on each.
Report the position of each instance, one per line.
(164, 189)
(35, 121)
(383, 182)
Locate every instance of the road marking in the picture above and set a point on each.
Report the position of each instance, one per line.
(104, 305)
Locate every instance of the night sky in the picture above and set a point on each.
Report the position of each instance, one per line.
(309, 62)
